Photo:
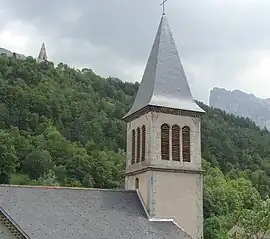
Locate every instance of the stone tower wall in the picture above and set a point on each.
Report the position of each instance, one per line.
(170, 189)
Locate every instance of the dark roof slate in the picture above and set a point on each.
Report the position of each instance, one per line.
(67, 213)
(164, 82)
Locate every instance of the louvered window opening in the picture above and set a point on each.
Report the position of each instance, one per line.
(133, 146)
(186, 144)
(176, 143)
(165, 142)
(138, 145)
(143, 142)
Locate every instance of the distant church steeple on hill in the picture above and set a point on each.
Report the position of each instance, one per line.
(42, 54)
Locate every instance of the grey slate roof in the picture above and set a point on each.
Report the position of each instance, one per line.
(42, 54)
(164, 82)
(46, 213)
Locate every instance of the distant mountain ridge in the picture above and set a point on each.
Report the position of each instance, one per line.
(10, 54)
(242, 104)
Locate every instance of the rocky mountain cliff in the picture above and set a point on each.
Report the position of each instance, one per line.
(242, 104)
(10, 54)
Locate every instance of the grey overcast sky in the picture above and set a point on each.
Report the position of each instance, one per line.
(224, 43)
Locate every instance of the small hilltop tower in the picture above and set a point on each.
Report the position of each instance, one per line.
(42, 54)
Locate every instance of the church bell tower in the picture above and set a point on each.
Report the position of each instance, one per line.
(163, 158)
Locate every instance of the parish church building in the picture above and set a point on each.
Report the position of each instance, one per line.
(163, 195)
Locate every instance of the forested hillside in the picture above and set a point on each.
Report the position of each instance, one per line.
(61, 126)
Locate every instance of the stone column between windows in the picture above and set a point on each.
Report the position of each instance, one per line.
(181, 144)
(170, 143)
(141, 146)
(129, 146)
(135, 138)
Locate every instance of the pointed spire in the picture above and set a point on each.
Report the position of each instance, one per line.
(42, 54)
(164, 82)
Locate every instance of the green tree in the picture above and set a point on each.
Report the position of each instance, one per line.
(37, 164)
(254, 223)
(48, 179)
(8, 158)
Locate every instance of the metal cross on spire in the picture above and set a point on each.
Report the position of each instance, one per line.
(163, 5)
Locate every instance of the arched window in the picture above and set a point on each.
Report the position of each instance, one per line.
(137, 183)
(186, 143)
(138, 145)
(165, 142)
(133, 147)
(176, 143)
(143, 142)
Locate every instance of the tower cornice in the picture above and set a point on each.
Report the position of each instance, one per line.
(165, 110)
(143, 169)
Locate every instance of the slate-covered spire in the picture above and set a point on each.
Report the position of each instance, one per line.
(164, 82)
(42, 54)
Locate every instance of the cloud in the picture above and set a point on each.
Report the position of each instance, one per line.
(221, 42)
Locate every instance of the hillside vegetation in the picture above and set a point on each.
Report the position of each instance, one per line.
(61, 126)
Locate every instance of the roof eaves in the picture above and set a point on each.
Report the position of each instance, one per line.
(69, 188)
(14, 223)
(169, 220)
(142, 203)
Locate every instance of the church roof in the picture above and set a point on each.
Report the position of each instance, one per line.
(58, 213)
(164, 82)
(42, 54)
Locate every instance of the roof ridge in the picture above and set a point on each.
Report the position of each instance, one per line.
(176, 224)
(10, 219)
(64, 187)
(153, 219)
(143, 204)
